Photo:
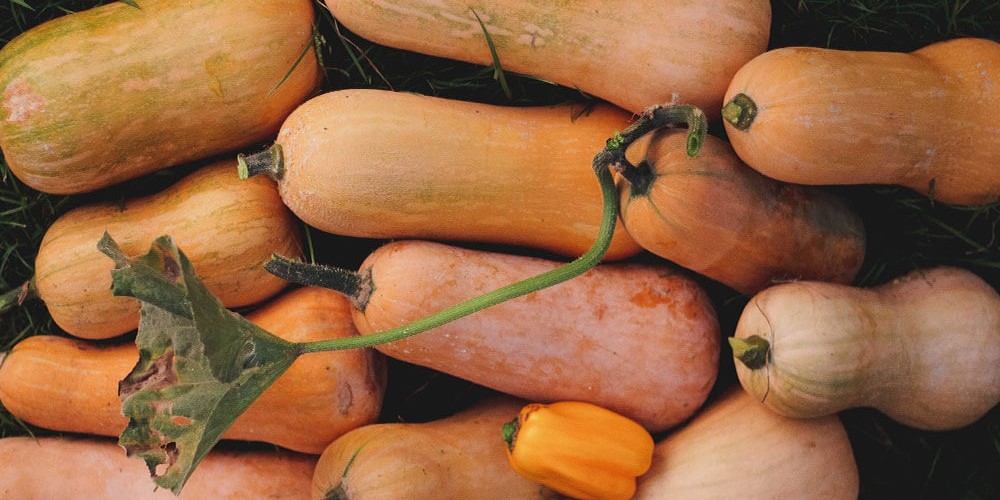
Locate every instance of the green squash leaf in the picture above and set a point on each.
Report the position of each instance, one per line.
(200, 366)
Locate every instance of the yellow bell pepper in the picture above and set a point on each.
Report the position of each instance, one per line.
(578, 449)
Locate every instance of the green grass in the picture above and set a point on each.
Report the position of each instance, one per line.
(906, 230)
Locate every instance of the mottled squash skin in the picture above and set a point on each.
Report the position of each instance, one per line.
(634, 54)
(638, 339)
(93, 98)
(227, 227)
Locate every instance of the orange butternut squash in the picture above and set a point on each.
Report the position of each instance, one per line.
(734, 448)
(90, 468)
(71, 385)
(821, 116)
(228, 229)
(924, 349)
(638, 339)
(99, 96)
(457, 457)
(633, 54)
(381, 164)
(718, 217)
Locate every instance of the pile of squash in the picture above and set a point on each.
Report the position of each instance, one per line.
(452, 198)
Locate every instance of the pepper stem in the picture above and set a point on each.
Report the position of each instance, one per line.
(740, 111)
(509, 432)
(269, 161)
(612, 156)
(14, 298)
(752, 351)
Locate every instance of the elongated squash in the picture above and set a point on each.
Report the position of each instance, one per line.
(72, 385)
(97, 469)
(228, 229)
(96, 97)
(734, 448)
(633, 54)
(381, 164)
(718, 217)
(924, 349)
(822, 116)
(458, 457)
(638, 339)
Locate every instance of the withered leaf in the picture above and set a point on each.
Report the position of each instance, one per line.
(200, 365)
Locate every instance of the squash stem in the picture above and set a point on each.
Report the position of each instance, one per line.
(14, 298)
(752, 351)
(640, 177)
(740, 111)
(612, 156)
(357, 287)
(269, 161)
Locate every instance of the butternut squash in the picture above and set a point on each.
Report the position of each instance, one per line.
(458, 457)
(228, 228)
(380, 164)
(99, 96)
(71, 385)
(632, 54)
(718, 217)
(638, 339)
(734, 448)
(90, 468)
(924, 349)
(822, 116)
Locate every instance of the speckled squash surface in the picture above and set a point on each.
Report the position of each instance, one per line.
(227, 227)
(96, 97)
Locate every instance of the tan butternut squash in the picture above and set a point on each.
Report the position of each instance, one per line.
(71, 385)
(734, 448)
(633, 54)
(381, 164)
(822, 116)
(458, 457)
(228, 228)
(99, 96)
(924, 348)
(97, 469)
